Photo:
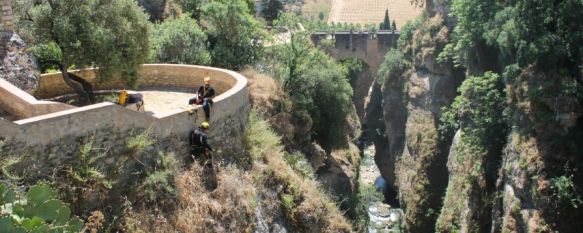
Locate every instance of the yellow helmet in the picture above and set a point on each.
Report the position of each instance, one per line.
(207, 80)
(205, 125)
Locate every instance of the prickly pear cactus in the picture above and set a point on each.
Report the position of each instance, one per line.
(37, 210)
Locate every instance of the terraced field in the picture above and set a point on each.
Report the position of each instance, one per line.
(369, 11)
(312, 8)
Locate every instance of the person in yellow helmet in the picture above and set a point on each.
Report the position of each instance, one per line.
(199, 141)
(204, 96)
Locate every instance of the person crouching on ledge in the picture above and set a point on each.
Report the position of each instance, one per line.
(204, 96)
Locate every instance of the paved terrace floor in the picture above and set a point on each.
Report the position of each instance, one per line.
(165, 101)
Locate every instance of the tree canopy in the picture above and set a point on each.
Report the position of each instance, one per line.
(524, 31)
(179, 40)
(109, 34)
(235, 36)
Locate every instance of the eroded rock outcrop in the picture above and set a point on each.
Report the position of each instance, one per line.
(17, 65)
(474, 155)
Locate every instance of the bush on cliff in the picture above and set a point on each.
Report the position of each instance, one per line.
(317, 85)
(393, 65)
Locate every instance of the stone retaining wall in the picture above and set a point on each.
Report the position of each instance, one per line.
(62, 134)
(23, 105)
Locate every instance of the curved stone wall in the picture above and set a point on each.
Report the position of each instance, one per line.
(149, 76)
(60, 132)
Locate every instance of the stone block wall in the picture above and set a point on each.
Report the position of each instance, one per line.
(364, 45)
(59, 136)
(7, 18)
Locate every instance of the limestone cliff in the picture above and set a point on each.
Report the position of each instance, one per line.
(474, 155)
(416, 155)
(537, 190)
(520, 171)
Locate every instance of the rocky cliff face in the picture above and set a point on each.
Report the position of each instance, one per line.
(337, 167)
(541, 165)
(521, 174)
(17, 66)
(412, 104)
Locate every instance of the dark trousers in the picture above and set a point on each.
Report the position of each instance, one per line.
(199, 152)
(206, 105)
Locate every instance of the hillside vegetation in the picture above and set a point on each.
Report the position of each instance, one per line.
(297, 171)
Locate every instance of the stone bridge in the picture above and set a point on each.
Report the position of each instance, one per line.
(367, 46)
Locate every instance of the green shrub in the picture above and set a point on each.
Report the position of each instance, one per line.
(407, 30)
(84, 169)
(479, 108)
(48, 56)
(354, 66)
(564, 190)
(297, 161)
(37, 210)
(234, 34)
(393, 65)
(260, 140)
(140, 142)
(159, 186)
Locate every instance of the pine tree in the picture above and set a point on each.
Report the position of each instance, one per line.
(394, 25)
(271, 9)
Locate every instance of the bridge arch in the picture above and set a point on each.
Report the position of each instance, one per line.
(366, 46)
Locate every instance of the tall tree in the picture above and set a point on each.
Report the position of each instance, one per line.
(271, 10)
(386, 24)
(109, 34)
(235, 36)
(394, 25)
